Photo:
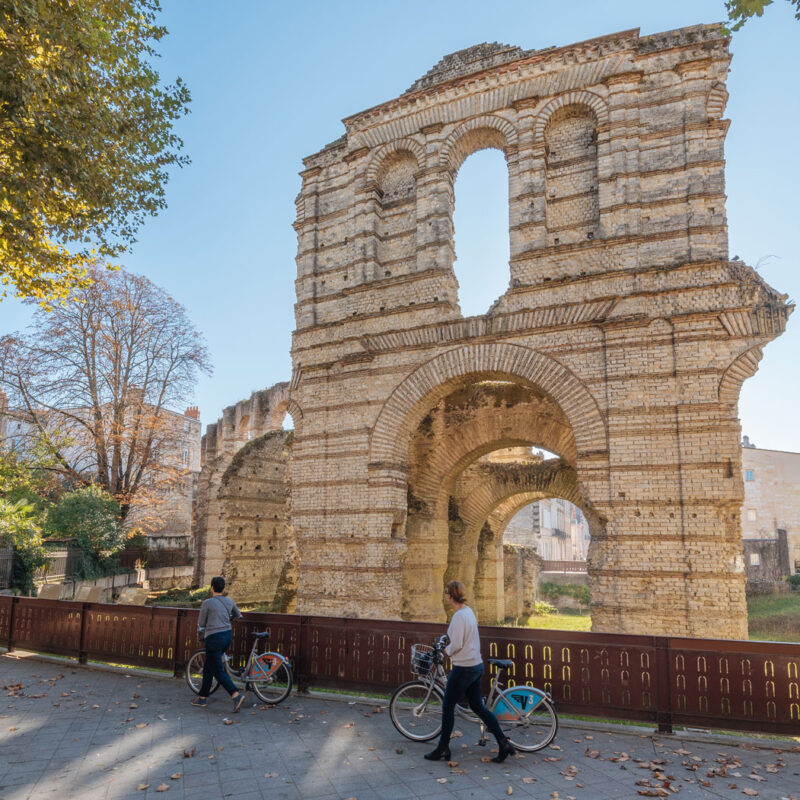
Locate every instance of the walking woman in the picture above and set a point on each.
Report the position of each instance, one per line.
(465, 678)
(214, 629)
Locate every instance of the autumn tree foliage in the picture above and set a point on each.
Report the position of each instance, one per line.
(85, 136)
(92, 380)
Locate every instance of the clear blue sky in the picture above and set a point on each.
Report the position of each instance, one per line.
(270, 83)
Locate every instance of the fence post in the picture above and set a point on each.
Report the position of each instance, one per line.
(177, 650)
(10, 645)
(664, 685)
(303, 656)
(82, 649)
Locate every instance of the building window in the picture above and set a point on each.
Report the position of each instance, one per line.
(186, 425)
(751, 515)
(755, 560)
(748, 475)
(185, 456)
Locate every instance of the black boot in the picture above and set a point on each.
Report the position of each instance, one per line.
(505, 749)
(442, 751)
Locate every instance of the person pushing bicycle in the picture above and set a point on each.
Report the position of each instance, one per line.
(464, 649)
(215, 631)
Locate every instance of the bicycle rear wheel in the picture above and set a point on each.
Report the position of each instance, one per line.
(194, 672)
(414, 713)
(527, 717)
(270, 678)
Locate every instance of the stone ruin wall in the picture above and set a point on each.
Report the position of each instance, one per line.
(620, 345)
(624, 321)
(242, 514)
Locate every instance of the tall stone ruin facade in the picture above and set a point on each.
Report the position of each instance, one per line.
(242, 527)
(620, 345)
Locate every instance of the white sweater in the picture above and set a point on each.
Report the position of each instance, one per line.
(465, 644)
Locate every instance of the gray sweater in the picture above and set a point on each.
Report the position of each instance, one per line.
(216, 614)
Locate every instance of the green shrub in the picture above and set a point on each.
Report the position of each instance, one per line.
(19, 527)
(91, 517)
(794, 582)
(552, 591)
(543, 609)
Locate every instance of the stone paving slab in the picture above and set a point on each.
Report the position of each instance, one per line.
(75, 732)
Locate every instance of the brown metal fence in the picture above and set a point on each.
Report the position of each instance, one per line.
(664, 680)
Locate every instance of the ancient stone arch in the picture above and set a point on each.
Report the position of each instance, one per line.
(626, 331)
(227, 449)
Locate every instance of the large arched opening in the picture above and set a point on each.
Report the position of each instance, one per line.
(458, 474)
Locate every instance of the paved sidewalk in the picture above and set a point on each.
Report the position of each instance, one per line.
(68, 731)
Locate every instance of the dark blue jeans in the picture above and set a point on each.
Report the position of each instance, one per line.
(466, 681)
(216, 645)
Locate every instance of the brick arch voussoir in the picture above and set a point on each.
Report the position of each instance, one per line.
(458, 452)
(737, 373)
(453, 153)
(590, 100)
(383, 153)
(435, 379)
(504, 512)
(539, 483)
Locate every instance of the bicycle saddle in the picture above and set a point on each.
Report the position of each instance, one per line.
(502, 663)
(262, 635)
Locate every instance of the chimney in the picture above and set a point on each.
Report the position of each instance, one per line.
(3, 402)
(193, 412)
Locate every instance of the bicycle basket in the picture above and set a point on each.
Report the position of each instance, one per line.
(421, 659)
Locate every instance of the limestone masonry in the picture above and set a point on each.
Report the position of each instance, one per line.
(620, 345)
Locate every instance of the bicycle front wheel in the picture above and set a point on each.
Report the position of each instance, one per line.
(527, 717)
(194, 672)
(416, 713)
(270, 678)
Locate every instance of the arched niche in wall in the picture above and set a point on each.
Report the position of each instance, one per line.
(571, 179)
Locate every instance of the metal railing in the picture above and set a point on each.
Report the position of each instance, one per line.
(735, 685)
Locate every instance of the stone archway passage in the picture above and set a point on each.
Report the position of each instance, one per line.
(622, 310)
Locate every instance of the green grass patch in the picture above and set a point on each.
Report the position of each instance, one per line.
(182, 598)
(774, 617)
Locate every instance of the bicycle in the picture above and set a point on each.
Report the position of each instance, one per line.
(269, 674)
(526, 714)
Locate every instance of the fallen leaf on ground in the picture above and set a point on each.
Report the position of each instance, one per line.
(271, 775)
(528, 779)
(219, 748)
(485, 759)
(228, 721)
(130, 705)
(164, 787)
(142, 786)
(510, 790)
(142, 725)
(190, 753)
(750, 792)
(176, 776)
(441, 780)
(452, 763)
(349, 725)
